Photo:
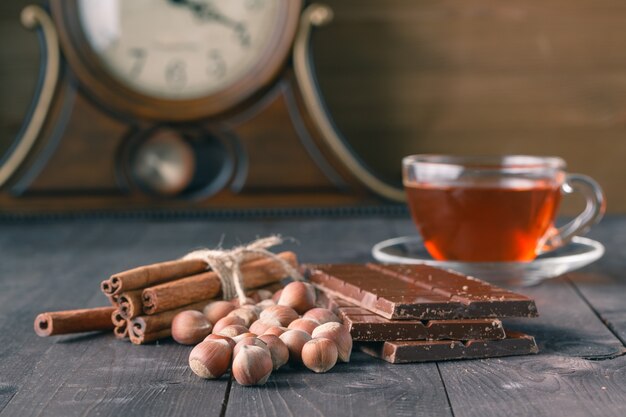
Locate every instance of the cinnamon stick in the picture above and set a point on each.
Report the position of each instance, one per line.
(74, 321)
(147, 275)
(130, 304)
(150, 324)
(199, 287)
(116, 318)
(121, 332)
(114, 300)
(148, 337)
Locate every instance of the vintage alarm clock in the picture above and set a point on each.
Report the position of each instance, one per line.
(180, 104)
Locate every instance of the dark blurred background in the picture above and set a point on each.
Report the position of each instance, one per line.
(444, 76)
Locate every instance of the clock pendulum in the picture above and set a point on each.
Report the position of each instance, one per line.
(180, 104)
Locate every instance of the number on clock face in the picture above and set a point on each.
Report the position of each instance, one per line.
(217, 65)
(178, 49)
(138, 60)
(176, 74)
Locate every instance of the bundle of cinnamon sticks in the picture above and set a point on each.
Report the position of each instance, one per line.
(144, 300)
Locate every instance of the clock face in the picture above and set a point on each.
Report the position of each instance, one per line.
(179, 49)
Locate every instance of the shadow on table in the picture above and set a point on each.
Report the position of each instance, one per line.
(565, 341)
(83, 337)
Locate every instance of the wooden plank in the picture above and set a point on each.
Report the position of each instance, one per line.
(557, 382)
(561, 380)
(71, 259)
(31, 286)
(547, 385)
(7, 391)
(40, 263)
(486, 102)
(602, 284)
(606, 297)
(53, 280)
(362, 387)
(99, 375)
(445, 44)
(566, 325)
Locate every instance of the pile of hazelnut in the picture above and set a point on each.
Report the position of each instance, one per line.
(265, 333)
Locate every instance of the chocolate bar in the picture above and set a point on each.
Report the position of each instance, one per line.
(439, 350)
(418, 292)
(367, 326)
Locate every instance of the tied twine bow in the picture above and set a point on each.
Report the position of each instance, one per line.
(227, 264)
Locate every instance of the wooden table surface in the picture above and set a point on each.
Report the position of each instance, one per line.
(580, 370)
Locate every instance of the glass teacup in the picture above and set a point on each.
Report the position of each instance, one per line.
(499, 208)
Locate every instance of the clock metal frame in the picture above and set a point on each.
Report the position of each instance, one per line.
(106, 89)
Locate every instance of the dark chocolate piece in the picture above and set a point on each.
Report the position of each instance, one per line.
(418, 292)
(367, 326)
(441, 350)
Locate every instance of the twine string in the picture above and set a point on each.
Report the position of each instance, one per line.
(227, 264)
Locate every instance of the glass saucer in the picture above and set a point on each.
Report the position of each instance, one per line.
(578, 253)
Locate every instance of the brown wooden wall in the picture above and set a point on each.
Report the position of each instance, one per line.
(454, 76)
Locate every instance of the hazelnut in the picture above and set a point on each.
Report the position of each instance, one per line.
(249, 341)
(217, 310)
(321, 315)
(246, 314)
(214, 336)
(262, 325)
(237, 303)
(339, 334)
(283, 314)
(264, 295)
(260, 295)
(190, 327)
(298, 295)
(211, 358)
(265, 304)
(278, 350)
(276, 331)
(319, 355)
(237, 338)
(227, 321)
(252, 365)
(294, 340)
(253, 307)
(306, 325)
(233, 330)
(276, 296)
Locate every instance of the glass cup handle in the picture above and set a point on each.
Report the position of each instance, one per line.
(593, 212)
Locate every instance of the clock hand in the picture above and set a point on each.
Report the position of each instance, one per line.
(240, 29)
(208, 11)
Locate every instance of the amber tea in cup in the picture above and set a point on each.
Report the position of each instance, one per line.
(483, 209)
